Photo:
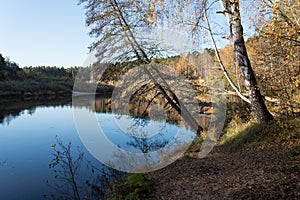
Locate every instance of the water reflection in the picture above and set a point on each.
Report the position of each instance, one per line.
(76, 177)
(2, 163)
(141, 108)
(10, 108)
(29, 127)
(143, 132)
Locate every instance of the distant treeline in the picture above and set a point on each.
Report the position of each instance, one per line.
(8, 69)
(35, 81)
(45, 80)
(11, 71)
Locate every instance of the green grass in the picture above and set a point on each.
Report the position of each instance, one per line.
(134, 187)
(238, 134)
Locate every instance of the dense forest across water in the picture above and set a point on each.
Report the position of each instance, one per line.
(34, 81)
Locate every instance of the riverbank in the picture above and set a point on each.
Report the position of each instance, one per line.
(264, 167)
(249, 162)
(264, 173)
(31, 89)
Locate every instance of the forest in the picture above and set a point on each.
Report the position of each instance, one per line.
(34, 81)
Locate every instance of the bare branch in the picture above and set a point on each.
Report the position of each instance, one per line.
(221, 63)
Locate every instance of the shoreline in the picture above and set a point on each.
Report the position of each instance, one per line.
(34, 89)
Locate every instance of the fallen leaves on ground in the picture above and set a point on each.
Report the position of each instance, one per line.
(271, 172)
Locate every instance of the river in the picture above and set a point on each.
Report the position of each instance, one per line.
(30, 134)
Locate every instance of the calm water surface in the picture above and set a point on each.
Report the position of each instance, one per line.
(25, 149)
(29, 129)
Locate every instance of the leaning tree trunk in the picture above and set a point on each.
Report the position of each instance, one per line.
(172, 99)
(232, 13)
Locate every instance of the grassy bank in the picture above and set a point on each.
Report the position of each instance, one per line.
(35, 88)
(240, 135)
(249, 162)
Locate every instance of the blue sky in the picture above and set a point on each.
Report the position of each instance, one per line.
(44, 32)
(48, 32)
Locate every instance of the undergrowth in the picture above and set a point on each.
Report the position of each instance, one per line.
(135, 187)
(239, 134)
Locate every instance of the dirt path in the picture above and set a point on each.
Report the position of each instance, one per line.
(269, 173)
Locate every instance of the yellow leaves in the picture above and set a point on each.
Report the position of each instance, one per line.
(152, 15)
(275, 52)
(161, 2)
(152, 8)
(234, 1)
(107, 35)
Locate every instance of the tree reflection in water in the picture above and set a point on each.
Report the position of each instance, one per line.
(10, 108)
(141, 141)
(78, 178)
(2, 163)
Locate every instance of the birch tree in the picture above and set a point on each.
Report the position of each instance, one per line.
(232, 13)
